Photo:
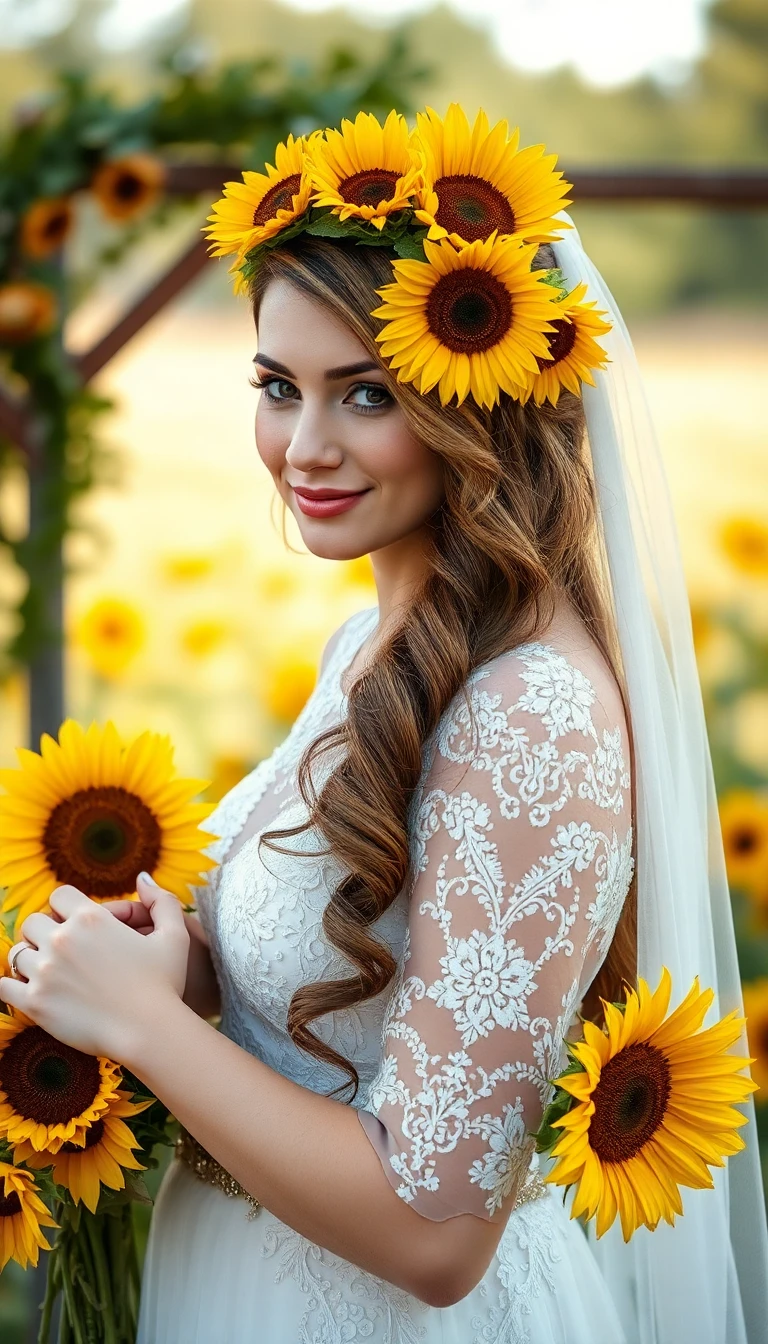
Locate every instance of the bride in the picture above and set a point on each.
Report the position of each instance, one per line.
(494, 809)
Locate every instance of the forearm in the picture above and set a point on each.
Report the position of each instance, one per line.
(306, 1158)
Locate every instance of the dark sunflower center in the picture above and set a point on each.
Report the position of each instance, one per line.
(561, 342)
(56, 225)
(45, 1080)
(112, 631)
(279, 197)
(630, 1101)
(469, 311)
(744, 840)
(128, 186)
(9, 1205)
(754, 548)
(369, 187)
(99, 839)
(472, 207)
(93, 1135)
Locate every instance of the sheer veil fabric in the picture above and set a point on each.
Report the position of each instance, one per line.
(706, 1279)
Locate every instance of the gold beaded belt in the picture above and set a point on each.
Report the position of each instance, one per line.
(207, 1169)
(533, 1187)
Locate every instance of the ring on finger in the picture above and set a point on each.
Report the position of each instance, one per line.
(14, 955)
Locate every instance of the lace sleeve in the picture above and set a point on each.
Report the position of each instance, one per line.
(521, 863)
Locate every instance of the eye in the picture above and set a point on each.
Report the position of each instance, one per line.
(368, 397)
(276, 389)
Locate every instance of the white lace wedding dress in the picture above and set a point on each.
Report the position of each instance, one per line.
(521, 839)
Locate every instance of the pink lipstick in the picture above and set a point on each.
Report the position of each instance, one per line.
(326, 503)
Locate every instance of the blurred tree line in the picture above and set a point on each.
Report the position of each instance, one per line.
(655, 257)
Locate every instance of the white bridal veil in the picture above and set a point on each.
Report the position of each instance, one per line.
(705, 1281)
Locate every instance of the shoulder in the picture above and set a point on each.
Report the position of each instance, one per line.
(543, 703)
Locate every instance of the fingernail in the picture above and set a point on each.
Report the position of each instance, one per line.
(148, 878)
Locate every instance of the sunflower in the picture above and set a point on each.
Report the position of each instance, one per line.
(111, 632)
(702, 626)
(92, 813)
(756, 1009)
(263, 204)
(469, 320)
(227, 772)
(201, 638)
(744, 824)
(83, 1169)
(45, 225)
(573, 350)
(364, 171)
(6, 944)
(745, 543)
(278, 584)
(22, 1216)
(289, 687)
(27, 310)
(188, 566)
(652, 1107)
(127, 186)
(49, 1092)
(476, 181)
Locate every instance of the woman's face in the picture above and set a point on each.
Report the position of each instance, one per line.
(326, 422)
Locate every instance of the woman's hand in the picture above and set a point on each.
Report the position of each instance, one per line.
(92, 981)
(201, 990)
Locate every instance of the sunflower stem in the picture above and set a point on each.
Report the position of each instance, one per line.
(134, 1282)
(134, 1273)
(71, 1328)
(87, 1318)
(120, 1235)
(95, 1227)
(52, 1289)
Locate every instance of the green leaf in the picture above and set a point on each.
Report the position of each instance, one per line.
(410, 247)
(137, 1185)
(328, 226)
(547, 1135)
(556, 279)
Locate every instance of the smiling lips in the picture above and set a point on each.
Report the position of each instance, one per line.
(326, 503)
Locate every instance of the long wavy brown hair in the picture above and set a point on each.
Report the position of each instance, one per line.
(518, 522)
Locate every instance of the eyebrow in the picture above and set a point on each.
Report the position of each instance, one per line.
(331, 375)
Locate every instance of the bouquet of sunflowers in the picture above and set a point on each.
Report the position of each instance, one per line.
(77, 1131)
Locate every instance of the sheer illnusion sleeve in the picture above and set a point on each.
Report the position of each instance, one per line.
(521, 861)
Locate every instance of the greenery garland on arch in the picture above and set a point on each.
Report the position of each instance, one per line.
(79, 140)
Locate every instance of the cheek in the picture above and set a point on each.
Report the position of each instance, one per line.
(271, 441)
(410, 468)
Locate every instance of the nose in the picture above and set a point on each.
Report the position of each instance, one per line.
(312, 442)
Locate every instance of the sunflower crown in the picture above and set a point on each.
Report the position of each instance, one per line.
(464, 209)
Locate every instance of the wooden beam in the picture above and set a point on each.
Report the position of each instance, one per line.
(723, 189)
(156, 297)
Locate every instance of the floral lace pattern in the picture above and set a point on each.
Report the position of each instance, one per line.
(522, 860)
(520, 864)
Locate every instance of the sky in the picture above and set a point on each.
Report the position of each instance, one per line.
(608, 42)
